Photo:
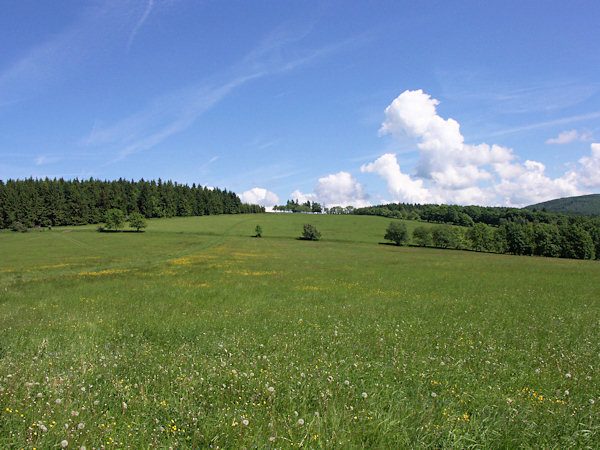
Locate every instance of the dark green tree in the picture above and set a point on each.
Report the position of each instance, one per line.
(481, 238)
(576, 242)
(547, 241)
(114, 219)
(422, 236)
(397, 233)
(137, 221)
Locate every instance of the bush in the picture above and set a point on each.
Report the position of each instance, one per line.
(446, 236)
(258, 231)
(422, 236)
(114, 219)
(397, 232)
(137, 221)
(310, 233)
(18, 226)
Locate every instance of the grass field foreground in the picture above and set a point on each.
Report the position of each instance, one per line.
(196, 334)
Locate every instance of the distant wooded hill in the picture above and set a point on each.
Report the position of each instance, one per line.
(583, 205)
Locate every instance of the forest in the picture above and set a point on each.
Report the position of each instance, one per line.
(51, 202)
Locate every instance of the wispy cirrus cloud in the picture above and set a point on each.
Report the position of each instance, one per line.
(140, 23)
(98, 28)
(44, 159)
(163, 117)
(177, 110)
(548, 123)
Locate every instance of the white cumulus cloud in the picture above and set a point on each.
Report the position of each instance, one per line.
(564, 138)
(588, 174)
(400, 185)
(339, 189)
(260, 196)
(451, 171)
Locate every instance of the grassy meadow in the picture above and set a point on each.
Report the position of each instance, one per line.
(194, 334)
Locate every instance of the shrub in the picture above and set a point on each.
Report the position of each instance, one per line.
(18, 226)
(137, 221)
(310, 233)
(114, 219)
(422, 236)
(258, 231)
(397, 232)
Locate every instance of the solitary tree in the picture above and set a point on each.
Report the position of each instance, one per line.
(114, 219)
(137, 221)
(258, 231)
(397, 232)
(310, 233)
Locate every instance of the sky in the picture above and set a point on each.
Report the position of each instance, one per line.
(339, 102)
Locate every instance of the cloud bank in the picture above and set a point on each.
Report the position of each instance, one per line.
(451, 171)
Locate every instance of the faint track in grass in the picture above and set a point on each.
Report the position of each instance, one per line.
(130, 263)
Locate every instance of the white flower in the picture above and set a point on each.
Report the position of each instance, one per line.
(364, 395)
(64, 443)
(43, 427)
(568, 375)
(245, 422)
(80, 426)
(271, 389)
(58, 401)
(124, 405)
(433, 394)
(300, 421)
(347, 383)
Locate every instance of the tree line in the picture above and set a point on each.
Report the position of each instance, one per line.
(296, 207)
(539, 239)
(499, 230)
(51, 202)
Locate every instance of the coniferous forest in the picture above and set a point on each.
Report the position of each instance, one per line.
(45, 202)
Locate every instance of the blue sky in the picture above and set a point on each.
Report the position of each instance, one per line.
(342, 102)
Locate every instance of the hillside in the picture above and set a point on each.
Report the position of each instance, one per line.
(583, 205)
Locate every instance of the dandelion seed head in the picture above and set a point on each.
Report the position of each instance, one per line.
(364, 395)
(300, 421)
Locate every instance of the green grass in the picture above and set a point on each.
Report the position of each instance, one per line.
(178, 335)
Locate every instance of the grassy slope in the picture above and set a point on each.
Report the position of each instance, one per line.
(189, 323)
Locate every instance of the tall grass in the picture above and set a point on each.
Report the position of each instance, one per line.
(195, 334)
